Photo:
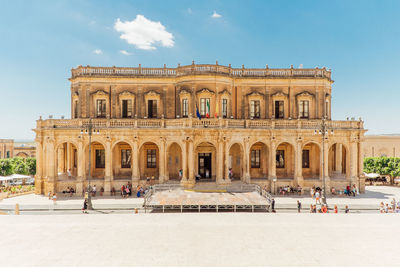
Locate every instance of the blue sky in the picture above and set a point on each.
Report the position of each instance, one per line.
(42, 40)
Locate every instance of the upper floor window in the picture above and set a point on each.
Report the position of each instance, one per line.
(151, 158)
(75, 109)
(100, 158)
(255, 158)
(125, 158)
(255, 109)
(185, 108)
(205, 107)
(280, 158)
(306, 159)
(304, 109)
(279, 109)
(127, 108)
(152, 108)
(101, 108)
(224, 108)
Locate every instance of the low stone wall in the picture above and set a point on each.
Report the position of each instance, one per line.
(4, 195)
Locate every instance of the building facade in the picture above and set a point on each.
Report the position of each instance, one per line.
(381, 146)
(217, 124)
(6, 148)
(10, 149)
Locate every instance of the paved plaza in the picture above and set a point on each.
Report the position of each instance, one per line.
(369, 201)
(187, 197)
(206, 239)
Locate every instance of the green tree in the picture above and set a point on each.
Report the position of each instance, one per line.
(383, 165)
(6, 167)
(31, 165)
(20, 166)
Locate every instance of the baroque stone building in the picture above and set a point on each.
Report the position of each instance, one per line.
(259, 126)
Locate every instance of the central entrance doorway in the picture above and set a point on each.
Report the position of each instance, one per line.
(205, 170)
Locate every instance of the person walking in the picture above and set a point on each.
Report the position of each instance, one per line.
(317, 198)
(346, 209)
(298, 206)
(393, 204)
(273, 205)
(94, 190)
(335, 209)
(54, 199)
(84, 208)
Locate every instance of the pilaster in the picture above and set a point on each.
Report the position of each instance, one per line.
(135, 162)
(298, 164)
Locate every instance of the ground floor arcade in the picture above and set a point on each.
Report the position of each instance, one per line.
(189, 159)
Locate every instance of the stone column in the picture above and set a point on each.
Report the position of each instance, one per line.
(326, 165)
(108, 170)
(52, 169)
(135, 164)
(161, 177)
(81, 168)
(60, 160)
(227, 179)
(246, 177)
(220, 163)
(272, 166)
(191, 177)
(39, 168)
(338, 159)
(353, 163)
(184, 162)
(298, 164)
(69, 156)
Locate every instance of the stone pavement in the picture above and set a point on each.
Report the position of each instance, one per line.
(187, 197)
(372, 198)
(368, 201)
(33, 201)
(205, 239)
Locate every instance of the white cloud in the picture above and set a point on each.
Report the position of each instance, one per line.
(189, 10)
(124, 52)
(215, 15)
(98, 52)
(144, 33)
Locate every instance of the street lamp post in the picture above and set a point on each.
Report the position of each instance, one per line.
(89, 130)
(323, 132)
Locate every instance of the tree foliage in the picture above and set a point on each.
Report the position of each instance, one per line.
(383, 165)
(17, 165)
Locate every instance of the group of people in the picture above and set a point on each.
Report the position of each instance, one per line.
(286, 190)
(324, 209)
(70, 191)
(392, 208)
(126, 190)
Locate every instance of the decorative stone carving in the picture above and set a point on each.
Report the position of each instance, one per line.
(255, 93)
(152, 93)
(100, 93)
(280, 94)
(126, 93)
(225, 92)
(184, 92)
(205, 90)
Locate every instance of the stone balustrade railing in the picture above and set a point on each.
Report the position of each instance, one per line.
(195, 69)
(203, 123)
